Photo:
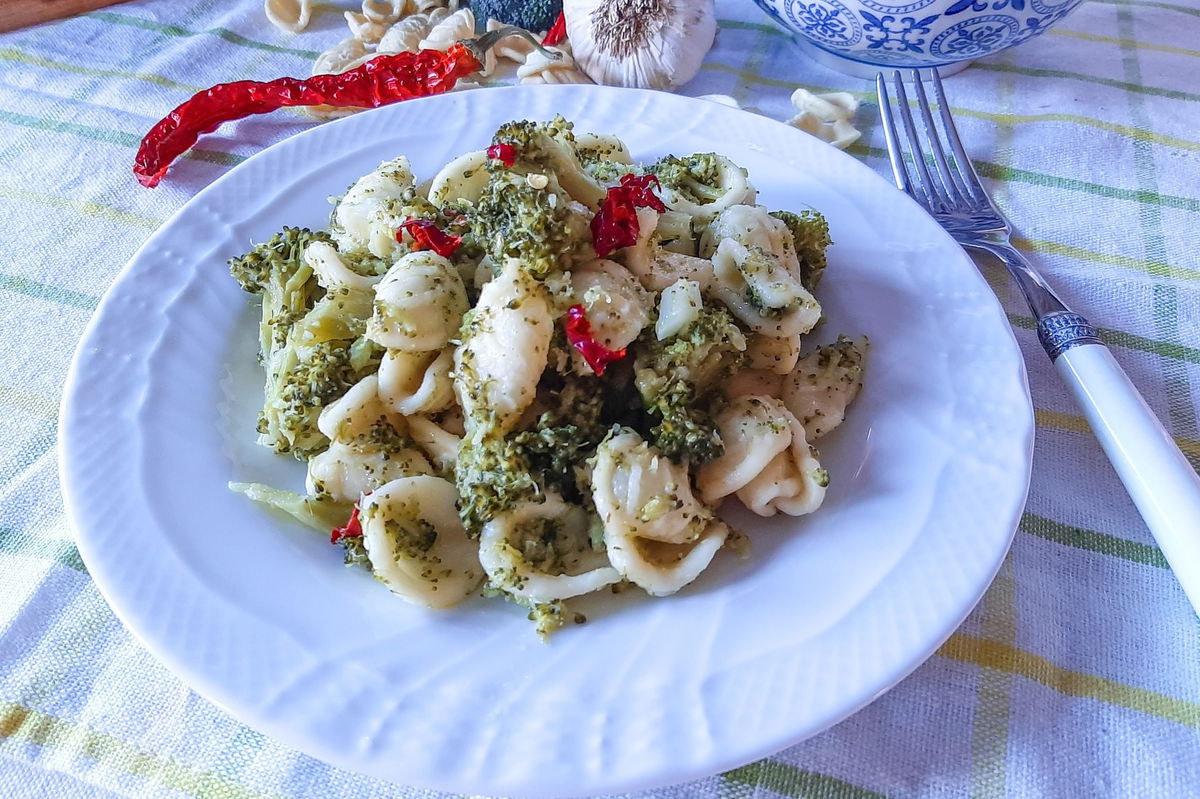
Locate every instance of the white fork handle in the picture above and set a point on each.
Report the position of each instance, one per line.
(1163, 485)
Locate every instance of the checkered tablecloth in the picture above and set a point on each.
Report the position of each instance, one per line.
(1077, 676)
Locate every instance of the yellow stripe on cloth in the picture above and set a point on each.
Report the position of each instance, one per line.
(1002, 657)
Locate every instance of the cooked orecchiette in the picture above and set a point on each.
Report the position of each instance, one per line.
(617, 306)
(746, 382)
(735, 190)
(419, 304)
(512, 316)
(792, 482)
(660, 568)
(331, 271)
(291, 16)
(778, 355)
(541, 552)
(678, 306)
(639, 492)
(365, 200)
(656, 268)
(464, 178)
(757, 290)
(823, 383)
(754, 429)
(599, 145)
(417, 382)
(754, 227)
(347, 470)
(417, 544)
(437, 442)
(355, 411)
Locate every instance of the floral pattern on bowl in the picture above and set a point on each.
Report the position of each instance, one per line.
(916, 33)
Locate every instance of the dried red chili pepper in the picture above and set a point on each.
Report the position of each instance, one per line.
(382, 80)
(615, 225)
(428, 236)
(557, 32)
(351, 529)
(504, 153)
(579, 334)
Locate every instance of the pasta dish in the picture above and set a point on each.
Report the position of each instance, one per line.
(538, 374)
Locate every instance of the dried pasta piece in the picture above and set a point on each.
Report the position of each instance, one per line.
(514, 48)
(826, 116)
(416, 543)
(290, 16)
(404, 36)
(346, 54)
(541, 552)
(540, 68)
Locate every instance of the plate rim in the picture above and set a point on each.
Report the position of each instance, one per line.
(96, 563)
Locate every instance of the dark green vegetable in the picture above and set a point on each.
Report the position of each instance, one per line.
(810, 233)
(532, 15)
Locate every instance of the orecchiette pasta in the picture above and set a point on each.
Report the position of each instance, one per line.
(417, 382)
(826, 116)
(541, 68)
(792, 482)
(291, 16)
(404, 36)
(417, 544)
(512, 316)
(419, 304)
(541, 552)
(519, 411)
(824, 382)
(754, 430)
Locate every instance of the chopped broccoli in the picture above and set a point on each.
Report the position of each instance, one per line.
(307, 379)
(696, 177)
(685, 430)
(515, 220)
(810, 233)
(677, 379)
(537, 143)
(492, 474)
(532, 15)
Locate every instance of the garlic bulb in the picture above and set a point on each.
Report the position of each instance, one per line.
(651, 44)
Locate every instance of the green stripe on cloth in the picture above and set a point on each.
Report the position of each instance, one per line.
(993, 697)
(109, 136)
(86, 207)
(1101, 543)
(1016, 69)
(1001, 657)
(1126, 340)
(1156, 268)
(29, 402)
(790, 781)
(1123, 42)
(1128, 131)
(1077, 424)
(1195, 12)
(20, 723)
(13, 55)
(44, 291)
(53, 549)
(177, 31)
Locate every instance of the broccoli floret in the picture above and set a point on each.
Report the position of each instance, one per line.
(515, 220)
(309, 379)
(276, 268)
(704, 353)
(810, 233)
(536, 142)
(696, 177)
(492, 474)
(685, 430)
(532, 15)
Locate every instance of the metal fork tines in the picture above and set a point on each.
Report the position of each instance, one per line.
(938, 175)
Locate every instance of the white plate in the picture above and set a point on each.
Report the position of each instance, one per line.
(929, 476)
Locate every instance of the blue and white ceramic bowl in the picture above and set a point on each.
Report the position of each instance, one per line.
(860, 36)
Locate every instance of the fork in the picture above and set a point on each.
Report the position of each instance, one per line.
(1162, 484)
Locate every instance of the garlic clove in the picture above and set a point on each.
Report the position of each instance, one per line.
(650, 44)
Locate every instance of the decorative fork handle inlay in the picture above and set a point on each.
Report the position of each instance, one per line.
(1062, 330)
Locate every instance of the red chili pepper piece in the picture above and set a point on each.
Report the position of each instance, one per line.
(615, 225)
(380, 81)
(557, 32)
(504, 153)
(579, 334)
(428, 236)
(351, 529)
